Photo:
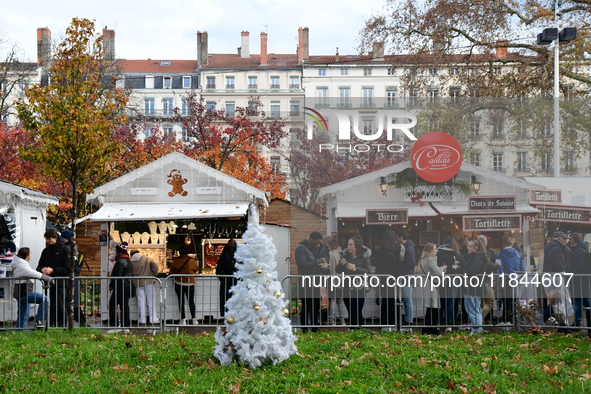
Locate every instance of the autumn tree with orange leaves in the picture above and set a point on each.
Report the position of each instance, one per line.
(72, 118)
(231, 143)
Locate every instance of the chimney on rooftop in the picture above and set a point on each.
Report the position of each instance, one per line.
(109, 43)
(264, 60)
(43, 47)
(377, 51)
(303, 45)
(244, 49)
(202, 55)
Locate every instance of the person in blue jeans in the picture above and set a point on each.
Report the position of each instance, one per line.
(23, 288)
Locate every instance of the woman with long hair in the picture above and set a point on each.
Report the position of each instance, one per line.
(121, 288)
(428, 266)
(354, 263)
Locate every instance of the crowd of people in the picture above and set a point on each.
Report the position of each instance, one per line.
(471, 302)
(342, 304)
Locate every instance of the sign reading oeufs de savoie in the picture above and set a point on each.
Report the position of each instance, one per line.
(492, 223)
(386, 216)
(491, 203)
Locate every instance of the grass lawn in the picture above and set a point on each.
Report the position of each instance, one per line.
(88, 361)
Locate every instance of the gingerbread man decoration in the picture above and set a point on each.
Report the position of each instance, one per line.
(177, 181)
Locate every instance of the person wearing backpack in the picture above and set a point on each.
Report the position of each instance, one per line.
(79, 261)
(580, 265)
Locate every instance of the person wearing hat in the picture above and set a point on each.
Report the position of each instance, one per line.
(78, 314)
(121, 288)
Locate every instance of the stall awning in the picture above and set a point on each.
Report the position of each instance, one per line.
(350, 211)
(129, 212)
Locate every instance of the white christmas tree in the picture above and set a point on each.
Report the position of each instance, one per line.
(257, 328)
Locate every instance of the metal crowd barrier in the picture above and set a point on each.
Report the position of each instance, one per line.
(319, 301)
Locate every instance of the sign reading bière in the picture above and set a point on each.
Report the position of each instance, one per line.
(491, 203)
(386, 216)
(492, 223)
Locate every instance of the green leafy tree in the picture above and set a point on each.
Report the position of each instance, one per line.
(71, 119)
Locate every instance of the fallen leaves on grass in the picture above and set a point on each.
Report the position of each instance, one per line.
(550, 370)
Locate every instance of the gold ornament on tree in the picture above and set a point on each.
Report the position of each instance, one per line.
(285, 312)
(259, 271)
(256, 307)
(277, 294)
(230, 320)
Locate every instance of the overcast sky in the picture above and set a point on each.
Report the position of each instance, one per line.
(167, 29)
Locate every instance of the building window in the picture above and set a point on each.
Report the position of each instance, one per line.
(167, 82)
(498, 70)
(187, 82)
(497, 162)
(231, 110)
(521, 129)
(454, 71)
(275, 110)
(210, 105)
(367, 72)
(322, 72)
(184, 134)
(274, 82)
(522, 161)
(413, 97)
(184, 106)
(475, 127)
(149, 81)
(148, 131)
(252, 82)
(368, 125)
(167, 130)
(230, 83)
(546, 162)
(344, 71)
(548, 130)
(454, 94)
(294, 109)
(367, 97)
(498, 126)
(433, 94)
(569, 161)
(210, 83)
(322, 97)
(391, 94)
(433, 71)
(167, 106)
(148, 106)
(391, 71)
(476, 158)
(344, 97)
(276, 164)
(294, 82)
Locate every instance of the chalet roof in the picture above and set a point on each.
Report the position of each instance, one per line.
(153, 66)
(235, 62)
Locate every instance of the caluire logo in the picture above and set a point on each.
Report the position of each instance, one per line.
(436, 157)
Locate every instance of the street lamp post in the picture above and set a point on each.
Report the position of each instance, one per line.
(545, 38)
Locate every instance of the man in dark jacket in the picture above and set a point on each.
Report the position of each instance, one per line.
(409, 262)
(226, 266)
(556, 256)
(580, 265)
(55, 262)
(308, 263)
